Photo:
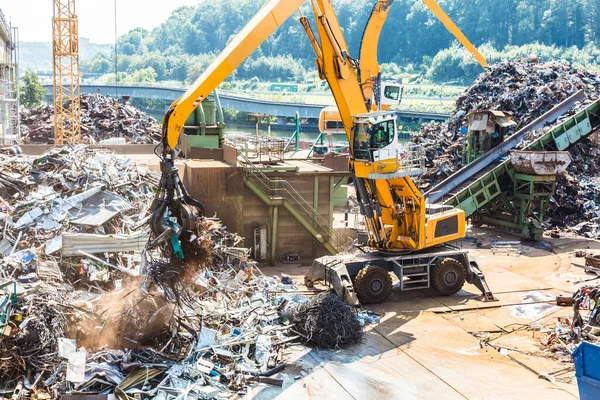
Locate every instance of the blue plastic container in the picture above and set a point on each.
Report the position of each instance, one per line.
(587, 370)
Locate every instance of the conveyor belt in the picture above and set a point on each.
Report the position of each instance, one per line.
(485, 184)
(472, 179)
(469, 174)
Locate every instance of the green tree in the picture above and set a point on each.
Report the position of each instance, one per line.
(32, 91)
(157, 62)
(144, 75)
(101, 64)
(412, 38)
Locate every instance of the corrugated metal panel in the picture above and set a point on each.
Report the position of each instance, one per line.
(73, 243)
(5, 247)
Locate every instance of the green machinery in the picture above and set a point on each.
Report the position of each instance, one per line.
(295, 137)
(486, 130)
(522, 208)
(205, 127)
(500, 196)
(8, 299)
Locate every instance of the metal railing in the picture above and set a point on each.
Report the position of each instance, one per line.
(259, 148)
(410, 159)
(280, 188)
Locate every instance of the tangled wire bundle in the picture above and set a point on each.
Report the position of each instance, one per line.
(35, 345)
(327, 321)
(174, 275)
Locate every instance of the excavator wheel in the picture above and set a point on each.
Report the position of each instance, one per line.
(448, 276)
(373, 284)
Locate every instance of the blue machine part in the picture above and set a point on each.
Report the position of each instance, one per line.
(587, 370)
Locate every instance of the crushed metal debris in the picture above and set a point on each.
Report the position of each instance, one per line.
(327, 321)
(104, 120)
(525, 90)
(564, 335)
(92, 306)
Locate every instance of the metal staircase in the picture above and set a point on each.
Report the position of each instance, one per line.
(279, 192)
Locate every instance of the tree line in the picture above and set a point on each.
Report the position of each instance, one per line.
(414, 41)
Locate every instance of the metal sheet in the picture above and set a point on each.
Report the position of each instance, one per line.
(73, 243)
(5, 247)
(540, 162)
(479, 122)
(98, 209)
(505, 122)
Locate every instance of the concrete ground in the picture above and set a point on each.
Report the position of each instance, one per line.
(433, 347)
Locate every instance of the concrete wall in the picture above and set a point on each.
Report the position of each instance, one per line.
(292, 236)
(220, 190)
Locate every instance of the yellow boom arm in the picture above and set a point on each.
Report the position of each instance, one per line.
(451, 26)
(369, 66)
(261, 26)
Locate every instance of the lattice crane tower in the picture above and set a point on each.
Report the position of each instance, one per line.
(65, 50)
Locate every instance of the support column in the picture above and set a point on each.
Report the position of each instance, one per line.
(273, 222)
(315, 244)
(297, 132)
(315, 199)
(331, 198)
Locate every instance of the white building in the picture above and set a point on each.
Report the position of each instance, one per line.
(9, 90)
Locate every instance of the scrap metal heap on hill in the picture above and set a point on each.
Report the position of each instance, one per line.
(525, 90)
(102, 118)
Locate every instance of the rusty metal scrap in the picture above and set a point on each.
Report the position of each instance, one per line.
(575, 206)
(127, 317)
(102, 118)
(523, 89)
(562, 338)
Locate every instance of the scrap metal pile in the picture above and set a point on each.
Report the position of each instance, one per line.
(576, 203)
(525, 90)
(89, 306)
(104, 120)
(563, 337)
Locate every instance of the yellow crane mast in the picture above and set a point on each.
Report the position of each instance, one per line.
(65, 52)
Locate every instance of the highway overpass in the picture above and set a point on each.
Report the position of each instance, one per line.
(231, 100)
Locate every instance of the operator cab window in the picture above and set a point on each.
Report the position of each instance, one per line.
(382, 134)
(392, 92)
(370, 138)
(361, 141)
(331, 125)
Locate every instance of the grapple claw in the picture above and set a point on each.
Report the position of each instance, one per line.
(175, 209)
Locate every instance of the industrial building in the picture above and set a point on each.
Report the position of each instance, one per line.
(9, 88)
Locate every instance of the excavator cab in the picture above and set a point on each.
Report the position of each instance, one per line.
(390, 95)
(375, 137)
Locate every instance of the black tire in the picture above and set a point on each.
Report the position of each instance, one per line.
(448, 276)
(373, 284)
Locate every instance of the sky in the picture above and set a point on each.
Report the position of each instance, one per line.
(96, 17)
